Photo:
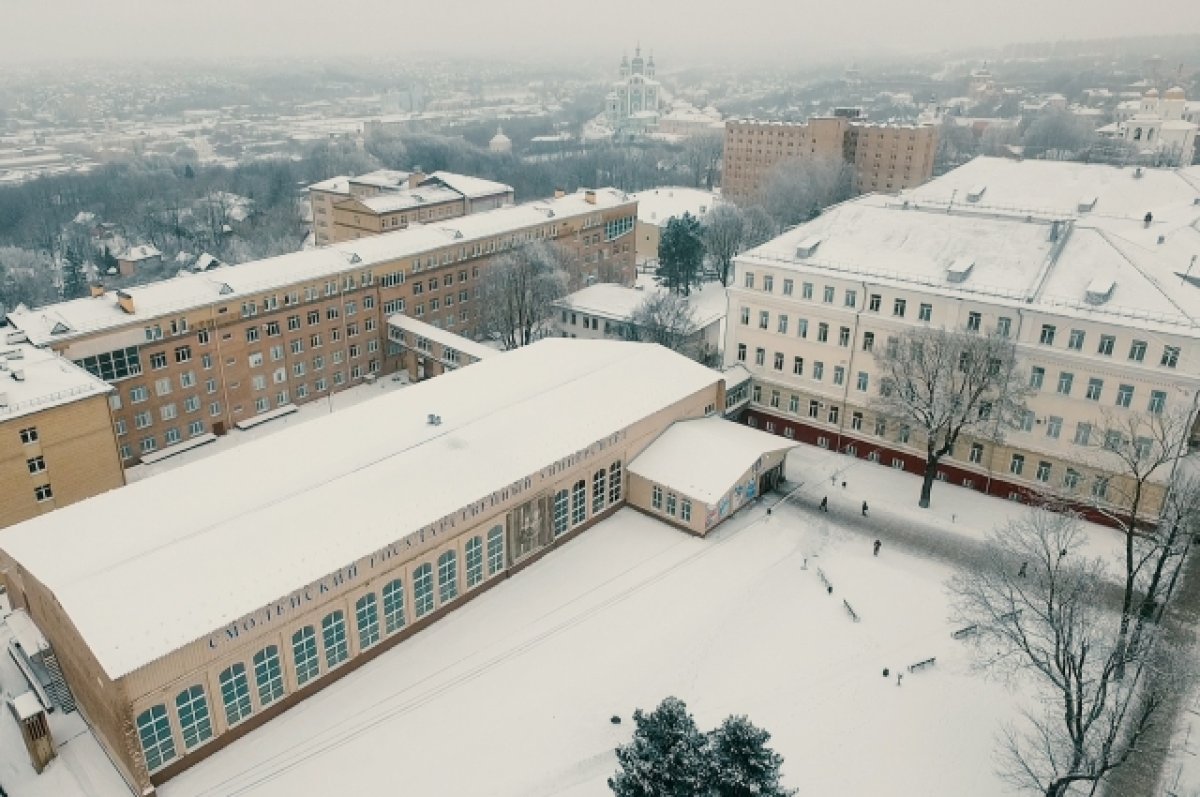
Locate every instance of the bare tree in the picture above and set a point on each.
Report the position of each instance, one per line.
(701, 154)
(1058, 134)
(798, 189)
(668, 319)
(943, 383)
(518, 290)
(759, 226)
(723, 232)
(1149, 507)
(1037, 605)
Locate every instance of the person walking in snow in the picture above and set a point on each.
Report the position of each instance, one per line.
(824, 507)
(878, 545)
(864, 508)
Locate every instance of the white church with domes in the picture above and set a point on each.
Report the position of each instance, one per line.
(1161, 128)
(632, 105)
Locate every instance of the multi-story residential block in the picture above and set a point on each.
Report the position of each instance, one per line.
(57, 444)
(345, 208)
(885, 158)
(1087, 268)
(198, 354)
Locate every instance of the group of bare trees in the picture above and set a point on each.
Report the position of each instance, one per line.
(1086, 628)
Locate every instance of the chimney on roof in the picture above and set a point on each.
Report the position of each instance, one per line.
(1149, 217)
(416, 177)
(589, 197)
(559, 193)
(97, 289)
(125, 302)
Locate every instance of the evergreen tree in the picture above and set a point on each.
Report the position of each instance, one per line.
(666, 758)
(108, 259)
(743, 765)
(189, 172)
(74, 281)
(681, 253)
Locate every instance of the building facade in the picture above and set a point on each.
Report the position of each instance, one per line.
(1105, 329)
(346, 208)
(57, 443)
(632, 104)
(538, 450)
(197, 354)
(1163, 129)
(885, 158)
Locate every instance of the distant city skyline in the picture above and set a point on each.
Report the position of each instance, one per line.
(694, 31)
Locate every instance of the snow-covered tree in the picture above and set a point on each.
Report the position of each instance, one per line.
(517, 292)
(724, 231)
(743, 765)
(943, 383)
(74, 279)
(667, 756)
(798, 189)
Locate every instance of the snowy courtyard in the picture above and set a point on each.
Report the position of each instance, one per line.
(512, 693)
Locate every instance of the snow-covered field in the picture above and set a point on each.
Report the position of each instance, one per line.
(512, 694)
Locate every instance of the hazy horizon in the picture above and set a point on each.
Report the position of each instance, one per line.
(677, 32)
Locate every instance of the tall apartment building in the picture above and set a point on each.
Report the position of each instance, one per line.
(1085, 267)
(199, 354)
(57, 444)
(345, 208)
(886, 158)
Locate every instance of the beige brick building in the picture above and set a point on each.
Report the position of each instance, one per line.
(463, 481)
(886, 158)
(57, 444)
(199, 354)
(346, 208)
(1083, 266)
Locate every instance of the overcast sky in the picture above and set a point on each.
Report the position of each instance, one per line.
(678, 31)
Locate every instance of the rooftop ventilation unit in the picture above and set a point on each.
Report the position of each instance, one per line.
(1099, 290)
(18, 374)
(960, 269)
(435, 420)
(1137, 173)
(976, 193)
(1087, 203)
(808, 247)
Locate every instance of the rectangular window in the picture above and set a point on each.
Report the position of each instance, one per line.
(828, 294)
(851, 298)
(787, 287)
(814, 408)
(1083, 433)
(856, 421)
(1094, 388)
(1037, 375)
(1047, 335)
(818, 370)
(43, 492)
(1065, 380)
(1170, 356)
(1107, 343)
(839, 375)
(671, 504)
(1003, 326)
(656, 497)
(775, 398)
(974, 320)
(778, 361)
(158, 360)
(745, 316)
(874, 302)
(822, 332)
(1043, 471)
(36, 465)
(863, 380)
(760, 356)
(1158, 401)
(844, 336)
(764, 319)
(834, 413)
(685, 510)
(1054, 426)
(782, 324)
(1075, 340)
(768, 283)
(138, 394)
(898, 307)
(794, 404)
(798, 366)
(749, 279)
(1124, 395)
(868, 341)
(976, 453)
(1016, 465)
(802, 327)
(741, 352)
(806, 290)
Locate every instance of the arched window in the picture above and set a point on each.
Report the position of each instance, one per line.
(495, 550)
(393, 606)
(423, 590)
(614, 482)
(1137, 134)
(304, 654)
(447, 576)
(366, 617)
(599, 491)
(333, 632)
(562, 510)
(235, 693)
(474, 561)
(194, 721)
(154, 731)
(268, 675)
(579, 502)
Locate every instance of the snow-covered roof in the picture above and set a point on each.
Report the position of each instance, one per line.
(46, 379)
(618, 303)
(226, 286)
(285, 511)
(470, 187)
(441, 336)
(334, 185)
(410, 198)
(658, 205)
(703, 458)
(382, 178)
(1030, 238)
(143, 252)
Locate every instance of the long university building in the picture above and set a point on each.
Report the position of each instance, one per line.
(200, 354)
(186, 617)
(1085, 267)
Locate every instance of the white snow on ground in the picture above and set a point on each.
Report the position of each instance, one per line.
(512, 694)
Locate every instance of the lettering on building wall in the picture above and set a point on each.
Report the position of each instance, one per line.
(347, 576)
